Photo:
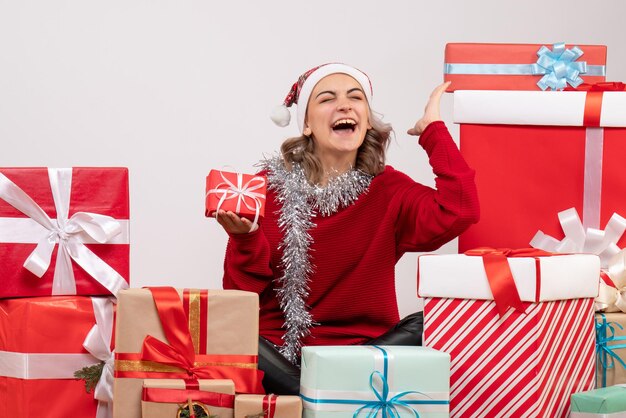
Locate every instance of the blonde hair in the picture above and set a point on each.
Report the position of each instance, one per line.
(370, 157)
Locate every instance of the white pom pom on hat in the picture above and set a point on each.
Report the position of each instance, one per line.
(281, 116)
(301, 91)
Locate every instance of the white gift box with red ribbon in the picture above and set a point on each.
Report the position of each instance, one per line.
(600, 108)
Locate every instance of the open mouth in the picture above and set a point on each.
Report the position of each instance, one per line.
(344, 125)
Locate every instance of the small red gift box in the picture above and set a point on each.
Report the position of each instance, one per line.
(476, 66)
(63, 231)
(243, 194)
(540, 158)
(42, 345)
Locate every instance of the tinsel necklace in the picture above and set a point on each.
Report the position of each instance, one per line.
(300, 202)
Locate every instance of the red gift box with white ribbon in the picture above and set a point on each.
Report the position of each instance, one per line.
(243, 194)
(43, 342)
(63, 231)
(518, 325)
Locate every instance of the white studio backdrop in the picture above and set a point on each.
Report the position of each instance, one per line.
(172, 89)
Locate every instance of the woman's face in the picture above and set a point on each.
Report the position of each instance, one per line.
(337, 118)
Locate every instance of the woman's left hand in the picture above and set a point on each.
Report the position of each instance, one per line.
(431, 111)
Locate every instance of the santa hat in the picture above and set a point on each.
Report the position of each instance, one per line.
(301, 91)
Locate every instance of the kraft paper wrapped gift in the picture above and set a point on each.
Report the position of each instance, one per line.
(268, 406)
(485, 66)
(63, 231)
(164, 333)
(163, 398)
(528, 359)
(241, 193)
(549, 165)
(43, 342)
(611, 348)
(339, 381)
(609, 402)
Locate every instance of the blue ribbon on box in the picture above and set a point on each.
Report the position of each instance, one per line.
(558, 67)
(388, 406)
(605, 333)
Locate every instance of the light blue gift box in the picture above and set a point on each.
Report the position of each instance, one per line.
(609, 402)
(375, 381)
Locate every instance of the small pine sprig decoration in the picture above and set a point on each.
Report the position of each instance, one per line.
(91, 375)
(199, 411)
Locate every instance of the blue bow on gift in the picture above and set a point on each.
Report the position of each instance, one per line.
(605, 333)
(559, 67)
(388, 407)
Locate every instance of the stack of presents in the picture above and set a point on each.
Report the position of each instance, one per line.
(526, 321)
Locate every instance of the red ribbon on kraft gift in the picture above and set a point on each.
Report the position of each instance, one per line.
(178, 358)
(165, 395)
(499, 276)
(269, 405)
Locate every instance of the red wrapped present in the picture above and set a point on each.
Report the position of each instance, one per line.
(243, 194)
(63, 231)
(191, 334)
(475, 66)
(542, 161)
(527, 360)
(39, 354)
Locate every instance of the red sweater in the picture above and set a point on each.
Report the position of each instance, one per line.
(355, 250)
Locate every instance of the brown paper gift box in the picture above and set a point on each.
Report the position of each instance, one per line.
(224, 329)
(253, 406)
(173, 393)
(616, 374)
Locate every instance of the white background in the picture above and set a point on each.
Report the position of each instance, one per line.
(172, 89)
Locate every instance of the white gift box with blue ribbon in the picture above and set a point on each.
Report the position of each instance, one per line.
(374, 381)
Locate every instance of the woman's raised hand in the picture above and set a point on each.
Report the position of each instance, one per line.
(431, 111)
(233, 224)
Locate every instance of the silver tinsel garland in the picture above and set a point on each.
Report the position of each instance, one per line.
(300, 201)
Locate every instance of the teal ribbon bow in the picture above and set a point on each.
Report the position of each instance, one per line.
(559, 67)
(605, 334)
(388, 407)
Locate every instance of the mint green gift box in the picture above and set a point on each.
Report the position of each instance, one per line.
(338, 381)
(608, 402)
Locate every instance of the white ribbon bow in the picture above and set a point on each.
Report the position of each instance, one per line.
(241, 191)
(593, 241)
(70, 234)
(613, 298)
(578, 240)
(97, 343)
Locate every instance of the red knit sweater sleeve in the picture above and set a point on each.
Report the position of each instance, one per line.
(428, 218)
(247, 262)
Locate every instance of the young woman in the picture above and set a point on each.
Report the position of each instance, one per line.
(337, 220)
